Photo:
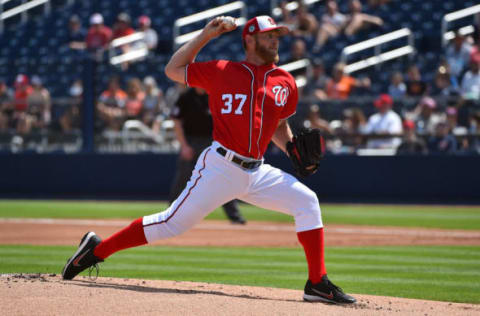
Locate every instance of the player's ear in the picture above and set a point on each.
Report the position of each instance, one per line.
(249, 41)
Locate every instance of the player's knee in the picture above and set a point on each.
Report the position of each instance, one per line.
(308, 215)
(310, 200)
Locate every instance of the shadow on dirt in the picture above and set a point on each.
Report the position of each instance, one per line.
(147, 289)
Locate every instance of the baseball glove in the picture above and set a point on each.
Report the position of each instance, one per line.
(305, 151)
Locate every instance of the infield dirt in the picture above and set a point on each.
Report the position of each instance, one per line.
(50, 295)
(222, 233)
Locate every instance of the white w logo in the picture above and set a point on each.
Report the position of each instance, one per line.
(281, 95)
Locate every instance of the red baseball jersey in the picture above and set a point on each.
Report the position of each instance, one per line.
(246, 101)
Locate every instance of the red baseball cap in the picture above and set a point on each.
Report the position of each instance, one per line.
(475, 57)
(144, 20)
(261, 24)
(408, 124)
(382, 100)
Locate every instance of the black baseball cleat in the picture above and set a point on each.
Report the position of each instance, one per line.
(83, 257)
(238, 220)
(326, 291)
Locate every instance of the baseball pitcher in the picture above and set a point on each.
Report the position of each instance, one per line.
(250, 102)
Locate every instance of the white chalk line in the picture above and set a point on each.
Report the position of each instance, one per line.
(424, 232)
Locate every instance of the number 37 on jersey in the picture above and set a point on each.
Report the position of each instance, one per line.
(235, 102)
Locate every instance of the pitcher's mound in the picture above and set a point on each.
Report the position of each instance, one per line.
(41, 294)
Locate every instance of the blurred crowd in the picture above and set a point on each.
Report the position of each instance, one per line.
(330, 24)
(141, 100)
(97, 38)
(446, 105)
(414, 113)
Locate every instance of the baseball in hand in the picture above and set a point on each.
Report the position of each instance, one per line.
(228, 22)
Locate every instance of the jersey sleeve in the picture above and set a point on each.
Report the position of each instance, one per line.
(291, 106)
(203, 74)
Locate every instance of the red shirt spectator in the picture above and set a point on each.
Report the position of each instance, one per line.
(98, 35)
(475, 52)
(122, 26)
(135, 97)
(22, 92)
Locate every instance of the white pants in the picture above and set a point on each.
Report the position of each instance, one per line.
(217, 180)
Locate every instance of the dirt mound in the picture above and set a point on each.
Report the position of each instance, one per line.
(41, 294)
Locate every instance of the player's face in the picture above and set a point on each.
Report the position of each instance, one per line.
(266, 46)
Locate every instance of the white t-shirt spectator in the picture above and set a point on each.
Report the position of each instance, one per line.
(458, 60)
(386, 123)
(338, 19)
(151, 38)
(471, 86)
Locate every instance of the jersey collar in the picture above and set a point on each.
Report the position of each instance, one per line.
(261, 67)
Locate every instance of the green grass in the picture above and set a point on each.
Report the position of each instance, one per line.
(436, 273)
(448, 217)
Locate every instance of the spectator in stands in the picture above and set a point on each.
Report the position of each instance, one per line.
(352, 128)
(442, 142)
(122, 26)
(39, 104)
(98, 36)
(303, 23)
(134, 100)
(76, 92)
(22, 90)
(298, 51)
(357, 20)
(341, 85)
(452, 122)
(397, 88)
(314, 120)
(6, 105)
(470, 88)
(111, 106)
(475, 49)
(332, 24)
(316, 81)
(154, 106)
(70, 119)
(76, 34)
(384, 123)
(458, 54)
(411, 144)
(474, 130)
(415, 85)
(22, 121)
(425, 117)
(444, 84)
(151, 37)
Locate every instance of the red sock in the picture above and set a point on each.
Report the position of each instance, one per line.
(130, 236)
(312, 242)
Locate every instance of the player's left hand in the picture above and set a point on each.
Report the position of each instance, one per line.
(305, 151)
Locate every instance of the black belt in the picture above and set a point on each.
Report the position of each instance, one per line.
(239, 161)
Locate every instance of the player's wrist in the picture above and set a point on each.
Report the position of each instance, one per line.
(206, 35)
